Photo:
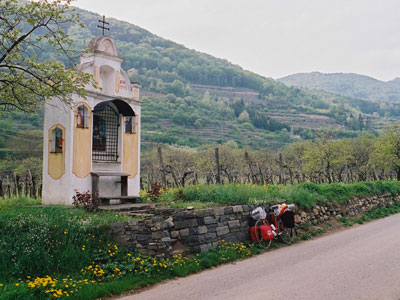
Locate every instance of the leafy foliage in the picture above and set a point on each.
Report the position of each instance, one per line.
(85, 200)
(25, 28)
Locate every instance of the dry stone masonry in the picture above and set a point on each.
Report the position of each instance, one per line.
(165, 232)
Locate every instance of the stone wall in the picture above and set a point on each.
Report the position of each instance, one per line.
(195, 230)
(352, 207)
(167, 232)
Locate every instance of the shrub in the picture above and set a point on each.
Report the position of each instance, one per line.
(85, 200)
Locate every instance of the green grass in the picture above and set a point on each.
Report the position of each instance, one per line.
(305, 194)
(346, 221)
(63, 238)
(21, 201)
(61, 252)
(373, 214)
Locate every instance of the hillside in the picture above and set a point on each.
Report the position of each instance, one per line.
(192, 98)
(348, 84)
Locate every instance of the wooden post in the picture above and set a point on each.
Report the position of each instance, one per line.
(246, 155)
(141, 183)
(19, 185)
(302, 177)
(261, 174)
(346, 172)
(218, 176)
(281, 179)
(95, 186)
(9, 187)
(40, 190)
(31, 183)
(124, 185)
(34, 195)
(161, 165)
(16, 181)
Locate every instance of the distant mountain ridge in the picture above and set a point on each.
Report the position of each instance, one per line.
(347, 84)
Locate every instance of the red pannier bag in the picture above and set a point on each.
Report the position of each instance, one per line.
(265, 231)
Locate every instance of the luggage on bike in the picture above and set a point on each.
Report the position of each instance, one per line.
(288, 219)
(265, 231)
(257, 214)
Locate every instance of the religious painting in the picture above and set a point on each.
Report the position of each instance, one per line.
(105, 134)
(56, 140)
(130, 124)
(82, 117)
(99, 133)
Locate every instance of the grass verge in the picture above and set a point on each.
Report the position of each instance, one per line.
(304, 194)
(58, 252)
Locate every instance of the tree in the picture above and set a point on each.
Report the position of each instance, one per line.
(28, 29)
(244, 117)
(386, 152)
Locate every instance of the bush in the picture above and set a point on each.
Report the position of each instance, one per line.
(85, 200)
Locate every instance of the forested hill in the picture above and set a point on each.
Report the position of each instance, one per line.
(192, 98)
(157, 58)
(348, 84)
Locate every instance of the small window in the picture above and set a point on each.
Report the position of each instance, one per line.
(82, 117)
(56, 141)
(130, 124)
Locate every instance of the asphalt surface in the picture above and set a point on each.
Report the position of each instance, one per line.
(358, 263)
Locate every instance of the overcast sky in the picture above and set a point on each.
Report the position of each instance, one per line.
(275, 38)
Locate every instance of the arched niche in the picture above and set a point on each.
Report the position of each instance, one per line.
(107, 79)
(56, 155)
(81, 166)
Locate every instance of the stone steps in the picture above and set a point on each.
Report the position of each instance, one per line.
(128, 207)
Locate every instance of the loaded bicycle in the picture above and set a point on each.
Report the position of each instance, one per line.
(277, 222)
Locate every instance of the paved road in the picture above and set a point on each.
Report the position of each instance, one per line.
(359, 263)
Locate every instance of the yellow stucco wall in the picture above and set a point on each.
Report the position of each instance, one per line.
(82, 156)
(56, 165)
(130, 153)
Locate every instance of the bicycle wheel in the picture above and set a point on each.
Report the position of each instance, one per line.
(286, 234)
(257, 233)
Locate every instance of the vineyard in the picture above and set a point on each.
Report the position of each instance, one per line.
(324, 160)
